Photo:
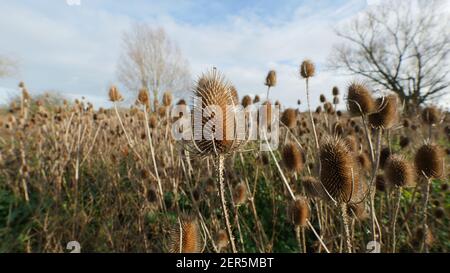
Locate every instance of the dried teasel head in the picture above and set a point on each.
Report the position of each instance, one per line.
(246, 101)
(167, 99)
(256, 99)
(335, 91)
(399, 172)
(240, 194)
(307, 69)
(271, 79)
(114, 94)
(289, 118)
(385, 153)
(221, 239)
(322, 98)
(364, 161)
(293, 158)
(300, 212)
(359, 99)
(215, 103)
(429, 161)
(143, 97)
(339, 173)
(380, 183)
(313, 188)
(404, 141)
(185, 237)
(385, 114)
(430, 115)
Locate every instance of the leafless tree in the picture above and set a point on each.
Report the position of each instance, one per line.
(401, 45)
(150, 59)
(8, 66)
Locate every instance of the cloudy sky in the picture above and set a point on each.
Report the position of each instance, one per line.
(73, 49)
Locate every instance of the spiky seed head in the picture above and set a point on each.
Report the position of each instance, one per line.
(240, 194)
(181, 102)
(167, 99)
(380, 183)
(318, 109)
(313, 188)
(429, 161)
(153, 121)
(221, 239)
(404, 141)
(335, 91)
(430, 115)
(384, 155)
(256, 99)
(292, 158)
(350, 141)
(385, 114)
(322, 98)
(406, 123)
(359, 99)
(143, 97)
(338, 172)
(289, 118)
(271, 79)
(307, 69)
(218, 134)
(299, 102)
(364, 161)
(328, 107)
(339, 113)
(185, 238)
(246, 101)
(399, 172)
(114, 94)
(152, 196)
(358, 210)
(300, 212)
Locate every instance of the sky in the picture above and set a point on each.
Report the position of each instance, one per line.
(72, 46)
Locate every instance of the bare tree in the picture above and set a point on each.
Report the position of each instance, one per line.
(402, 46)
(8, 66)
(150, 59)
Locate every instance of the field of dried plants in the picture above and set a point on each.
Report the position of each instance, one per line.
(372, 177)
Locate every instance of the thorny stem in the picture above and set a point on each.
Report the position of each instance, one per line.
(394, 220)
(310, 115)
(347, 230)
(220, 180)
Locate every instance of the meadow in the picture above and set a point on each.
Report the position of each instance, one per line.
(371, 177)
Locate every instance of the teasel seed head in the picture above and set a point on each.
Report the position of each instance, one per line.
(380, 183)
(143, 97)
(293, 158)
(430, 115)
(221, 239)
(429, 161)
(189, 234)
(338, 173)
(271, 79)
(358, 210)
(240, 194)
(313, 188)
(246, 101)
(404, 141)
(307, 69)
(256, 99)
(359, 99)
(364, 161)
(385, 114)
(167, 99)
(322, 98)
(114, 94)
(299, 102)
(214, 91)
(300, 212)
(399, 172)
(289, 118)
(385, 153)
(335, 91)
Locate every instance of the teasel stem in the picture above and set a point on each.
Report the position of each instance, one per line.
(424, 245)
(220, 180)
(149, 135)
(130, 143)
(346, 228)
(299, 240)
(267, 96)
(394, 220)
(310, 115)
(369, 140)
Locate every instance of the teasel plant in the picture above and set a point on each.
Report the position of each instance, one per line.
(308, 70)
(271, 81)
(213, 90)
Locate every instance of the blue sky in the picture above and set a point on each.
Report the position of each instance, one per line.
(73, 49)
